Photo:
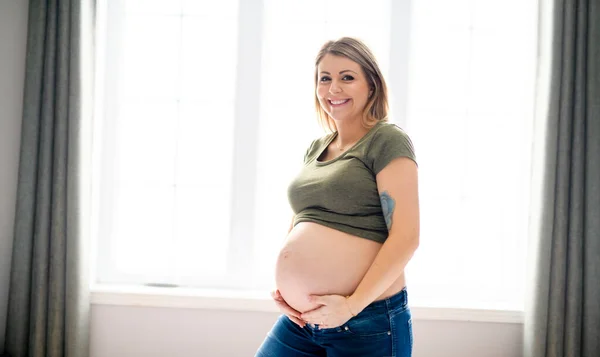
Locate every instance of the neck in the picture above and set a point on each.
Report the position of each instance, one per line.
(349, 132)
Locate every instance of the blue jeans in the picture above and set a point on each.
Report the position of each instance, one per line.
(382, 329)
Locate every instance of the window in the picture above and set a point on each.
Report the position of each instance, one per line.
(167, 140)
(471, 117)
(206, 108)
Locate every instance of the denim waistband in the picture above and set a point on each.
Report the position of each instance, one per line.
(398, 300)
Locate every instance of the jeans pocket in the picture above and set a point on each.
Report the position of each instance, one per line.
(368, 326)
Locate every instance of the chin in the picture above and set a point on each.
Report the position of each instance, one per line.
(341, 118)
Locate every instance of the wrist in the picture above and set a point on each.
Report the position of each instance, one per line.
(354, 305)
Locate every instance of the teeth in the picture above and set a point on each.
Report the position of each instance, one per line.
(338, 101)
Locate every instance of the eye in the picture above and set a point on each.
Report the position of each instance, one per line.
(348, 78)
(324, 79)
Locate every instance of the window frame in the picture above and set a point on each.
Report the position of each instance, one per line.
(247, 121)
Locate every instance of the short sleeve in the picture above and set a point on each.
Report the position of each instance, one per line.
(309, 151)
(389, 142)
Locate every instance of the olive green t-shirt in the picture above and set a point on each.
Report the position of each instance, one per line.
(342, 193)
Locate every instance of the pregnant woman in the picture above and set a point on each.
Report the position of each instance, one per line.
(340, 275)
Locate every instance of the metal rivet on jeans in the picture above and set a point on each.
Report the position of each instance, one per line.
(346, 328)
(389, 333)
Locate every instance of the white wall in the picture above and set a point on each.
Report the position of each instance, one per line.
(13, 34)
(119, 331)
(125, 331)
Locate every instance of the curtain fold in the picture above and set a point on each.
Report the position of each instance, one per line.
(48, 309)
(563, 312)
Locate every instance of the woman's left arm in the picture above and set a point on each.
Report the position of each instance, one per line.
(398, 190)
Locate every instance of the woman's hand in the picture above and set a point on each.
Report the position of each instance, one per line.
(334, 311)
(287, 310)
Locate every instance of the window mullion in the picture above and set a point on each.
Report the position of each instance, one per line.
(400, 25)
(247, 112)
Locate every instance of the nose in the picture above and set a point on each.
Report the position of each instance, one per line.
(334, 88)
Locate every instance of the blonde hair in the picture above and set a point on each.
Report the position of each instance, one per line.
(355, 50)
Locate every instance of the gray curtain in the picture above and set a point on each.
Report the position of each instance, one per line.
(48, 295)
(563, 310)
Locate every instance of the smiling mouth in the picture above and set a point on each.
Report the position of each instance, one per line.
(337, 103)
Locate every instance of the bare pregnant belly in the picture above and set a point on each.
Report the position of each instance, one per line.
(320, 260)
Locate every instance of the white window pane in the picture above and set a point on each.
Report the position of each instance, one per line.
(222, 9)
(208, 68)
(142, 229)
(145, 141)
(515, 17)
(440, 144)
(441, 14)
(460, 259)
(497, 69)
(160, 7)
(202, 233)
(470, 116)
(294, 11)
(205, 143)
(149, 65)
(439, 67)
(439, 218)
(166, 105)
(204, 175)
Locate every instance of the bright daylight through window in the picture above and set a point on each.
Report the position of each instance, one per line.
(205, 109)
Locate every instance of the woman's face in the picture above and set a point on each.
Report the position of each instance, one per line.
(342, 88)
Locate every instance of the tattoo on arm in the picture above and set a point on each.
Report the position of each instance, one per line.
(387, 205)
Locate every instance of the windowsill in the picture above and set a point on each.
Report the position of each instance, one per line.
(260, 301)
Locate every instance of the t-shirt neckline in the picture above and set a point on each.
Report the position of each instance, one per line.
(342, 155)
